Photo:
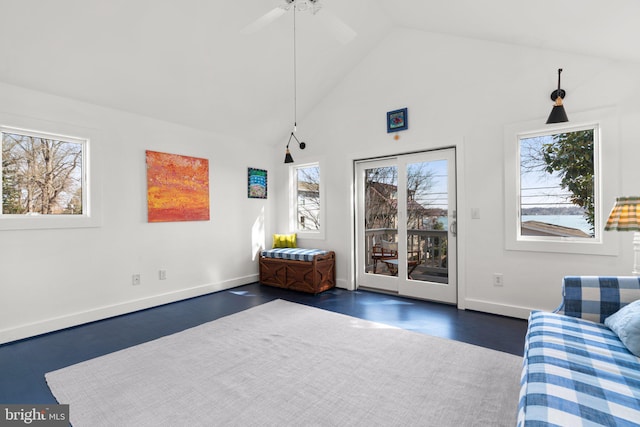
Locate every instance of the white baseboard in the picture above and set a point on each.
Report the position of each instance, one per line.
(495, 308)
(343, 284)
(99, 313)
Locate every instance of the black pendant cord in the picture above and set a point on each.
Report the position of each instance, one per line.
(302, 145)
(295, 74)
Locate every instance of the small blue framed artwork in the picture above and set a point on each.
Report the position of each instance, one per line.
(397, 120)
(257, 183)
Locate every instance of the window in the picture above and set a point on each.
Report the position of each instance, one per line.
(557, 197)
(306, 200)
(44, 176)
(554, 187)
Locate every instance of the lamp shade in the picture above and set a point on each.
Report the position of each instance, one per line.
(287, 157)
(558, 115)
(625, 215)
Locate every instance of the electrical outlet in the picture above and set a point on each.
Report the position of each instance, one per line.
(135, 279)
(498, 279)
(162, 274)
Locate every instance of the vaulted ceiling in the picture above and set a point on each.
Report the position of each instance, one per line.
(188, 62)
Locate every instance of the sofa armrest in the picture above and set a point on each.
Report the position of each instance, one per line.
(597, 297)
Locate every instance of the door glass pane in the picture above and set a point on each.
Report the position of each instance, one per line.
(381, 220)
(427, 221)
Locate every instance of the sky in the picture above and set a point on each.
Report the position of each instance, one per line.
(537, 186)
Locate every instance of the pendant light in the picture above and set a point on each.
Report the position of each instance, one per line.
(288, 158)
(558, 115)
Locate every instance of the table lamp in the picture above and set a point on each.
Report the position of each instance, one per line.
(625, 216)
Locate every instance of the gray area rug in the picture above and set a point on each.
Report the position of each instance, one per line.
(286, 364)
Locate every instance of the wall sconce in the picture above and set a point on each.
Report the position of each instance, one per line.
(558, 115)
(625, 216)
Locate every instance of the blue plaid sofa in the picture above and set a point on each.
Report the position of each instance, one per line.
(576, 371)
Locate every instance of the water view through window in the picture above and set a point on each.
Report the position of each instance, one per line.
(557, 185)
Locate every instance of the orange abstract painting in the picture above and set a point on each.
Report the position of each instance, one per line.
(177, 188)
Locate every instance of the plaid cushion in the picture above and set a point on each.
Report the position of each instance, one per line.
(577, 373)
(597, 297)
(295, 254)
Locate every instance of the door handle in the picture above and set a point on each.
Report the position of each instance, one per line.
(453, 227)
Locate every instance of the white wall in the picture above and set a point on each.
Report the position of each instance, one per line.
(464, 92)
(55, 278)
(458, 91)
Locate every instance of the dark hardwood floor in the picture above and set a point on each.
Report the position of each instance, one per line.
(24, 363)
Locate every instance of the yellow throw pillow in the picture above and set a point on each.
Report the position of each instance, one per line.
(284, 240)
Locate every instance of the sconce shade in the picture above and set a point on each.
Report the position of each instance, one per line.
(625, 215)
(287, 157)
(558, 115)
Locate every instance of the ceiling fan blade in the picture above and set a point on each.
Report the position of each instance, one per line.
(341, 31)
(263, 21)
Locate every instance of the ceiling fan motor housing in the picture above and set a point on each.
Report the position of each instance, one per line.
(308, 1)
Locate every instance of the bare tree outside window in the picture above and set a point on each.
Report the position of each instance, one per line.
(381, 193)
(41, 176)
(381, 198)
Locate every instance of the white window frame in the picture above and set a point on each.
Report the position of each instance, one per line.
(91, 207)
(604, 123)
(293, 203)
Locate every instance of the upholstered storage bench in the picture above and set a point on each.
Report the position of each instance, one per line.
(577, 371)
(306, 270)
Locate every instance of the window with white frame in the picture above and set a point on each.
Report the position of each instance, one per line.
(554, 187)
(306, 200)
(43, 176)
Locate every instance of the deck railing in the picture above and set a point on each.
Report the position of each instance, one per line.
(428, 247)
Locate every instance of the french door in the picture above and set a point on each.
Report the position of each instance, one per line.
(406, 225)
